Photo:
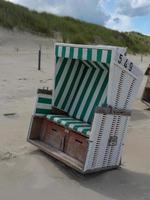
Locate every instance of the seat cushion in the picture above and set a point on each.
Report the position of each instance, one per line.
(71, 123)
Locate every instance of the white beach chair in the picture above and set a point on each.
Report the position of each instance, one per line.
(83, 121)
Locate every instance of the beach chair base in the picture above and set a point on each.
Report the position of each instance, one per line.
(63, 144)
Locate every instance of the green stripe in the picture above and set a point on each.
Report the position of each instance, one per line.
(104, 65)
(42, 111)
(79, 84)
(100, 65)
(91, 94)
(64, 83)
(99, 55)
(108, 57)
(71, 85)
(80, 126)
(44, 100)
(80, 123)
(56, 51)
(57, 59)
(71, 52)
(69, 119)
(84, 131)
(63, 52)
(61, 69)
(67, 123)
(89, 54)
(51, 117)
(83, 92)
(105, 103)
(99, 97)
(70, 123)
(80, 52)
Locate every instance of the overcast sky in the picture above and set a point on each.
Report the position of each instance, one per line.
(122, 15)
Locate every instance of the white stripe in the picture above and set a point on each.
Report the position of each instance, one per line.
(104, 56)
(79, 92)
(82, 128)
(68, 84)
(75, 53)
(65, 122)
(73, 125)
(62, 78)
(59, 118)
(74, 88)
(84, 57)
(56, 119)
(94, 54)
(101, 65)
(43, 106)
(88, 65)
(88, 133)
(47, 96)
(96, 92)
(82, 105)
(59, 51)
(67, 52)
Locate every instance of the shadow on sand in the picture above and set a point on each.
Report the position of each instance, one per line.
(121, 184)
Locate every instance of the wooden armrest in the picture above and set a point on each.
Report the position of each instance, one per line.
(58, 111)
(113, 111)
(44, 91)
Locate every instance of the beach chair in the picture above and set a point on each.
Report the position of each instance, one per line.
(83, 121)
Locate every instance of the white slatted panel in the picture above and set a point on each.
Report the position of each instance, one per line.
(100, 153)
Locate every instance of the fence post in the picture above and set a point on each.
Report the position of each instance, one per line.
(39, 59)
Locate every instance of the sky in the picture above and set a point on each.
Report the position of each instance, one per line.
(121, 15)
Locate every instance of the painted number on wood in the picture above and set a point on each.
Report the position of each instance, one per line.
(125, 62)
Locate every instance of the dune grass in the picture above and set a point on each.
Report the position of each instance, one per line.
(70, 30)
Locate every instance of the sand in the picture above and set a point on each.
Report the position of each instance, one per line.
(27, 173)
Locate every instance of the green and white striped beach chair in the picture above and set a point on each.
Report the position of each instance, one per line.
(94, 87)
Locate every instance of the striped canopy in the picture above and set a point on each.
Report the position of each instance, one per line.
(81, 79)
(83, 53)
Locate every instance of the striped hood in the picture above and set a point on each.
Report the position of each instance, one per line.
(81, 80)
(84, 53)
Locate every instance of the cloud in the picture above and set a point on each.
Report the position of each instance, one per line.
(123, 17)
(116, 20)
(88, 10)
(134, 8)
(119, 22)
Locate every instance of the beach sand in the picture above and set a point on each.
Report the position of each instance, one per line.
(26, 172)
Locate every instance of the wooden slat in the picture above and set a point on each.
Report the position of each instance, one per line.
(71, 162)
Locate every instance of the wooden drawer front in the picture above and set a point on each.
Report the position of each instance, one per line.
(55, 135)
(77, 146)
